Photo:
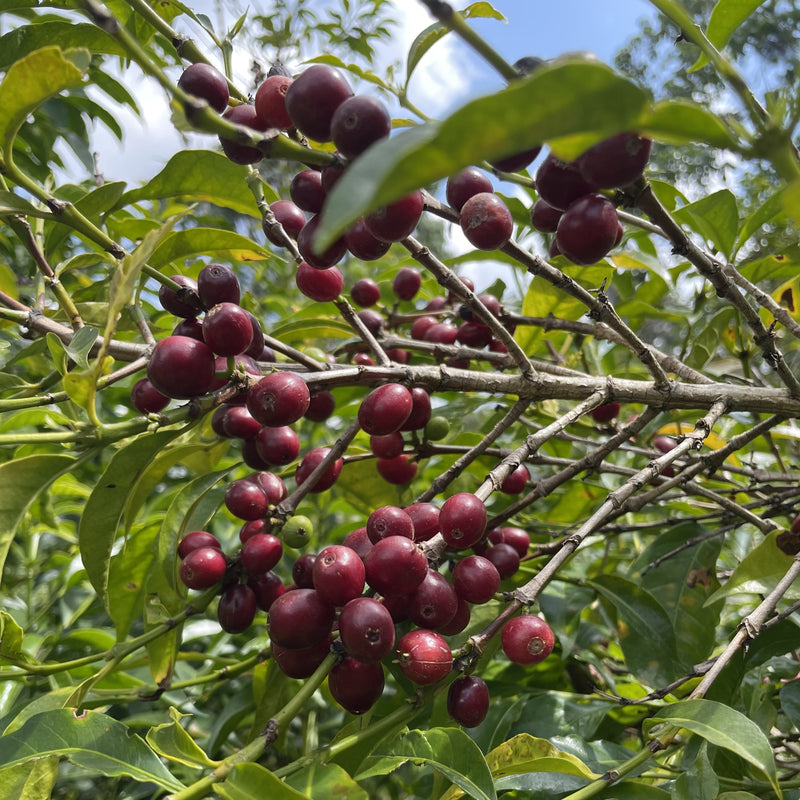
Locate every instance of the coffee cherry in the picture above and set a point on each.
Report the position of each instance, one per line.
(300, 618)
(310, 461)
(372, 320)
(385, 409)
(486, 221)
(202, 568)
(181, 367)
(301, 663)
(334, 253)
(389, 521)
(462, 520)
(260, 553)
(434, 602)
(459, 621)
(476, 579)
(246, 499)
(238, 422)
(437, 428)
(396, 221)
(397, 471)
(588, 229)
(359, 122)
(473, 334)
(606, 412)
(267, 589)
(251, 457)
(560, 183)
(406, 283)
(146, 399)
(356, 686)
(616, 161)
(527, 639)
(217, 283)
(322, 285)
(517, 161)
(320, 406)
(425, 517)
(365, 292)
(312, 100)
(227, 329)
(436, 303)
(278, 399)
(236, 608)
(195, 540)
(252, 528)
(171, 300)
(441, 333)
(274, 488)
(469, 286)
(358, 540)
(664, 444)
(364, 246)
(236, 151)
(270, 102)
(421, 325)
(468, 700)
(330, 176)
(303, 571)
(291, 218)
(504, 557)
(394, 566)
(388, 446)
(297, 531)
(191, 327)
(207, 83)
(366, 629)
(517, 538)
(306, 190)
(516, 482)
(465, 184)
(338, 574)
(544, 217)
(420, 410)
(423, 656)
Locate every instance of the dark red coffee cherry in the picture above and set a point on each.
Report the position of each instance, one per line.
(278, 399)
(466, 184)
(364, 246)
(421, 325)
(420, 410)
(334, 253)
(207, 83)
(560, 183)
(516, 482)
(473, 334)
(517, 538)
(468, 700)
(476, 579)
(267, 588)
(310, 461)
(291, 218)
(486, 221)
(236, 608)
(616, 161)
(320, 406)
(146, 399)
(260, 553)
(301, 663)
(237, 422)
(397, 471)
(191, 327)
(358, 540)
(462, 520)
(504, 557)
(251, 457)
(434, 602)
(330, 176)
(425, 517)
(459, 621)
(303, 571)
(394, 566)
(174, 302)
(398, 355)
(441, 333)
(517, 161)
(300, 618)
(396, 221)
(204, 567)
(406, 283)
(588, 229)
(359, 122)
(252, 528)
(606, 412)
(527, 639)
(371, 320)
(423, 656)
(365, 292)
(217, 283)
(355, 685)
(388, 446)
(338, 574)
(195, 540)
(366, 629)
(397, 606)
(385, 409)
(236, 151)
(322, 285)
(544, 217)
(664, 444)
(274, 488)
(389, 521)
(270, 102)
(453, 297)
(246, 499)
(306, 190)
(312, 100)
(227, 329)
(181, 367)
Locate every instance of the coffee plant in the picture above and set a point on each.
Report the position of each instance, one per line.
(292, 508)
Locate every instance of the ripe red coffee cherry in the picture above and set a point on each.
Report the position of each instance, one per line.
(181, 367)
(306, 190)
(421, 325)
(267, 588)
(274, 488)
(278, 399)
(476, 579)
(246, 499)
(469, 286)
(358, 540)
(207, 83)
(398, 356)
(289, 215)
(473, 334)
(204, 567)
(395, 566)
(468, 700)
(441, 333)
(544, 217)
(355, 685)
(227, 329)
(504, 557)
(420, 410)
(434, 602)
(606, 412)
(237, 422)
(397, 471)
(359, 122)
(320, 406)
(146, 399)
(664, 443)
(251, 457)
(365, 292)
(394, 222)
(517, 161)
(372, 320)
(171, 300)
(301, 663)
(260, 553)
(303, 571)
(300, 618)
(465, 184)
(191, 327)
(459, 622)
(217, 283)
(423, 656)
(270, 102)
(486, 221)
(338, 574)
(236, 151)
(236, 608)
(253, 527)
(385, 409)
(587, 229)
(195, 540)
(516, 482)
(527, 639)
(406, 283)
(322, 285)
(616, 161)
(517, 538)
(310, 461)
(389, 521)
(366, 629)
(330, 176)
(560, 183)
(388, 446)
(425, 517)
(312, 100)
(334, 253)
(462, 520)
(795, 526)
(364, 246)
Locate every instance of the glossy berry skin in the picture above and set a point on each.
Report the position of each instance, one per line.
(322, 285)
(227, 329)
(504, 557)
(424, 657)
(270, 102)
(397, 471)
(516, 482)
(441, 333)
(359, 122)
(300, 618)
(278, 399)
(320, 406)
(560, 183)
(425, 517)
(236, 151)
(389, 521)
(371, 320)
(664, 444)
(313, 98)
(364, 246)
(207, 83)
(476, 579)
(465, 184)
(420, 410)
(236, 608)
(191, 327)
(544, 217)
(406, 283)
(195, 540)
(202, 568)
(251, 528)
(217, 283)
(334, 253)
(588, 229)
(303, 571)
(517, 538)
(517, 161)
(356, 686)
(385, 409)
(367, 629)
(527, 639)
(421, 325)
(181, 367)
(274, 488)
(365, 292)
(434, 602)
(389, 446)
(459, 621)
(395, 566)
(394, 222)
(238, 422)
(473, 334)
(306, 190)
(246, 499)
(468, 700)
(462, 520)
(358, 540)
(171, 301)
(301, 663)
(616, 161)
(310, 462)
(260, 553)
(606, 412)
(267, 588)
(486, 221)
(146, 399)
(338, 574)
(251, 457)
(291, 218)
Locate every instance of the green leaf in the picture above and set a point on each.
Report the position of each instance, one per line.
(82, 342)
(557, 100)
(715, 217)
(11, 204)
(90, 740)
(646, 635)
(194, 242)
(254, 782)
(448, 750)
(171, 741)
(31, 80)
(705, 345)
(32, 781)
(326, 780)
(767, 211)
(790, 197)
(726, 17)
(790, 701)
(725, 727)
(21, 481)
(10, 638)
(302, 330)
(200, 175)
(681, 122)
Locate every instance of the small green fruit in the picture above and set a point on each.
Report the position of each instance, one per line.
(437, 428)
(297, 531)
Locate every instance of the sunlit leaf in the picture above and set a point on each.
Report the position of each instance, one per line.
(726, 17)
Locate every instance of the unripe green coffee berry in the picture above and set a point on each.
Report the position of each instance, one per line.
(437, 428)
(297, 531)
